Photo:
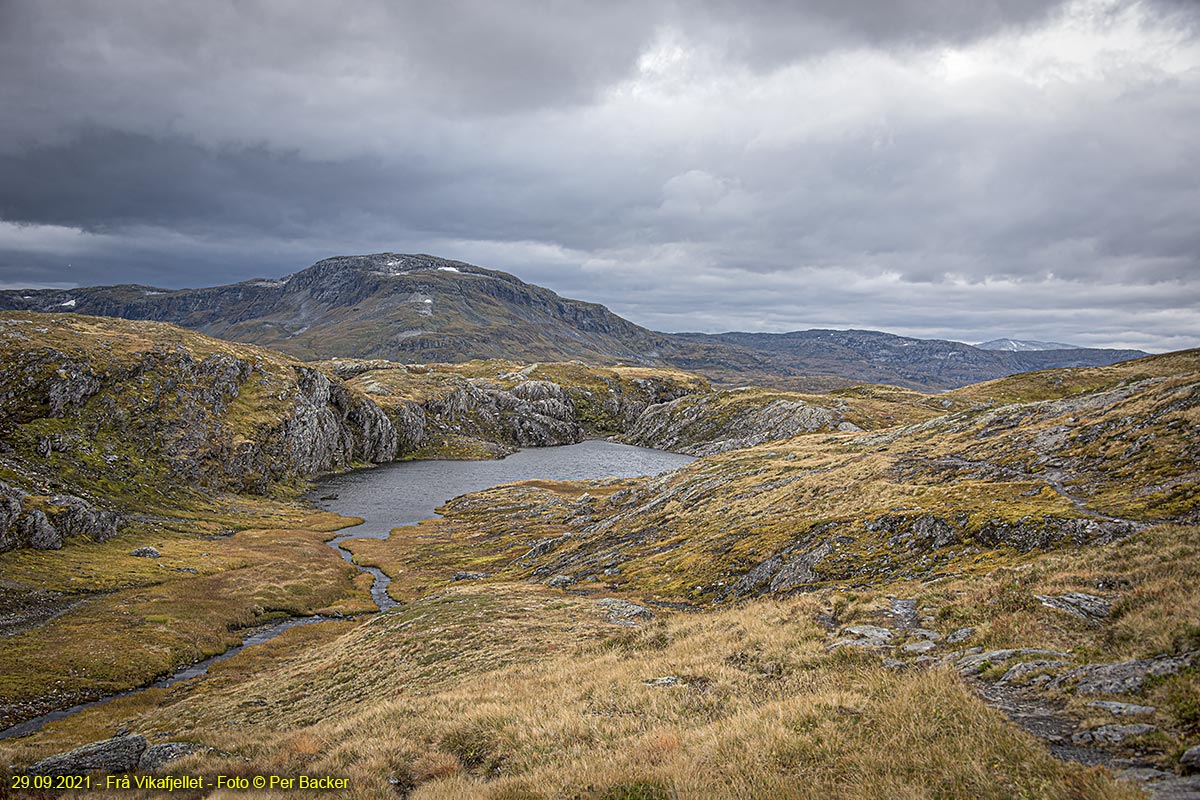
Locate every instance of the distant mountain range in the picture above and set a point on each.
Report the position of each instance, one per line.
(1024, 345)
(420, 308)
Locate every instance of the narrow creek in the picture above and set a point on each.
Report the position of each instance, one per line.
(394, 495)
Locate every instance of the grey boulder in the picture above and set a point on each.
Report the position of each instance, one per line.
(120, 754)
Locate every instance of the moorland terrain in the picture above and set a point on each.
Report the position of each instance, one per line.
(870, 591)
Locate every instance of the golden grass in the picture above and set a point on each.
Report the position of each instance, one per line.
(760, 710)
(138, 618)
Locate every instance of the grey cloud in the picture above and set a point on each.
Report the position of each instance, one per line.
(796, 164)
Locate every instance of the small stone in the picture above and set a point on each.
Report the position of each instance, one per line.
(469, 576)
(145, 552)
(925, 633)
(960, 635)
(665, 680)
(923, 646)
(561, 581)
(870, 632)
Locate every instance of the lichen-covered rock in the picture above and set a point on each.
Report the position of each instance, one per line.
(1122, 709)
(1112, 734)
(541, 548)
(869, 632)
(1020, 673)
(1079, 604)
(960, 635)
(618, 609)
(120, 754)
(145, 552)
(1123, 677)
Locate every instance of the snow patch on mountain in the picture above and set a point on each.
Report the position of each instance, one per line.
(1024, 345)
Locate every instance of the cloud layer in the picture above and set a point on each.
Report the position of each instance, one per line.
(965, 170)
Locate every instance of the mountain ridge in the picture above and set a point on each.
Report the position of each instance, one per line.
(422, 308)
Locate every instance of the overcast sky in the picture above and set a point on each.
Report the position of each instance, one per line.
(942, 168)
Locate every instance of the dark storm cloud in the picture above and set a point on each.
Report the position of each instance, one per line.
(927, 166)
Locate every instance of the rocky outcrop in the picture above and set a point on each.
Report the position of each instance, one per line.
(1032, 533)
(920, 533)
(240, 420)
(330, 428)
(1079, 604)
(536, 406)
(120, 754)
(711, 423)
(793, 568)
(45, 523)
(532, 414)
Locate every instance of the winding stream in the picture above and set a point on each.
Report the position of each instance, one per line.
(394, 495)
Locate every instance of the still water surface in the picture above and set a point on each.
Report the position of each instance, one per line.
(394, 495)
(405, 493)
